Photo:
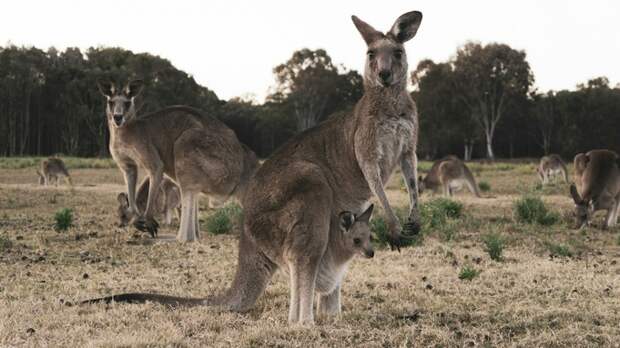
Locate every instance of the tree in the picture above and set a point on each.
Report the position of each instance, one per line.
(486, 77)
(314, 87)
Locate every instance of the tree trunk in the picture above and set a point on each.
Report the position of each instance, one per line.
(489, 139)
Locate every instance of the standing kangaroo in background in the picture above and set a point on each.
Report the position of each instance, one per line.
(333, 167)
(597, 186)
(448, 175)
(168, 200)
(50, 169)
(550, 167)
(197, 151)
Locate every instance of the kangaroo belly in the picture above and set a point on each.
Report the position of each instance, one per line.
(329, 277)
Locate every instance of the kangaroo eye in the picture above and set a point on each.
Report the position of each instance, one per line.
(357, 241)
(371, 54)
(398, 54)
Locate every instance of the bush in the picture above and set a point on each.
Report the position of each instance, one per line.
(484, 186)
(468, 273)
(63, 219)
(531, 209)
(5, 243)
(379, 226)
(494, 245)
(223, 220)
(558, 250)
(436, 212)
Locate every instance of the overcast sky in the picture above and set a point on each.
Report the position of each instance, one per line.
(232, 46)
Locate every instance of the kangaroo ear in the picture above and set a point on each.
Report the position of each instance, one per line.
(107, 88)
(576, 197)
(347, 219)
(365, 217)
(406, 26)
(133, 88)
(122, 199)
(369, 33)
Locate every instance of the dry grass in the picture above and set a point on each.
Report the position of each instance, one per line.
(411, 299)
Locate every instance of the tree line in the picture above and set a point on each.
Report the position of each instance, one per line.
(480, 103)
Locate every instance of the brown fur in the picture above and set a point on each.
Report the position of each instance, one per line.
(292, 199)
(168, 200)
(197, 151)
(447, 175)
(551, 166)
(52, 168)
(597, 186)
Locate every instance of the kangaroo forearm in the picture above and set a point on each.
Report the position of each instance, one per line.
(410, 174)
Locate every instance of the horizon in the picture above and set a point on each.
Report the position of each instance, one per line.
(554, 37)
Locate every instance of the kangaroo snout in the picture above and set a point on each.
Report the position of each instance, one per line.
(369, 254)
(385, 76)
(118, 119)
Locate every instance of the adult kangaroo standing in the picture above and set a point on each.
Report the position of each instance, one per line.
(198, 152)
(334, 167)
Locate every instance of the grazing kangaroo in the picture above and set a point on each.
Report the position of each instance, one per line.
(448, 175)
(333, 167)
(168, 200)
(50, 169)
(550, 167)
(349, 235)
(195, 150)
(597, 186)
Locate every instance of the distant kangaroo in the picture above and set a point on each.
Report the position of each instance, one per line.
(448, 175)
(597, 186)
(336, 166)
(550, 167)
(349, 235)
(168, 201)
(50, 169)
(197, 151)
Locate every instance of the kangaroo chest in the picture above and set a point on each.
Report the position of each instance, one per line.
(330, 276)
(394, 136)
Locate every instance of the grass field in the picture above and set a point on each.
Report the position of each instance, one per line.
(551, 286)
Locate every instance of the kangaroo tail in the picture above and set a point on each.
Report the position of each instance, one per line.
(254, 270)
(471, 181)
(136, 297)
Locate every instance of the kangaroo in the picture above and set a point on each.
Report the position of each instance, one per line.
(550, 167)
(168, 200)
(596, 187)
(195, 150)
(50, 169)
(335, 166)
(349, 235)
(449, 174)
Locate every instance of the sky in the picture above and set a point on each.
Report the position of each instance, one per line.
(232, 46)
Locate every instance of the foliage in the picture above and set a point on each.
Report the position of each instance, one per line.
(436, 212)
(558, 250)
(379, 227)
(468, 273)
(63, 219)
(484, 186)
(494, 245)
(531, 209)
(223, 220)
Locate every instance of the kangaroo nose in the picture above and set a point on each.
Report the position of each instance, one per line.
(370, 253)
(385, 75)
(118, 119)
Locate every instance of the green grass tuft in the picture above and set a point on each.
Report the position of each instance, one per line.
(223, 220)
(436, 212)
(532, 210)
(558, 250)
(494, 246)
(63, 219)
(468, 273)
(484, 186)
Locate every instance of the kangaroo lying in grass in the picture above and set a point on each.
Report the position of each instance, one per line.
(168, 201)
(349, 235)
(596, 187)
(448, 175)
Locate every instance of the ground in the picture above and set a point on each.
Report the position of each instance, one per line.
(532, 297)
